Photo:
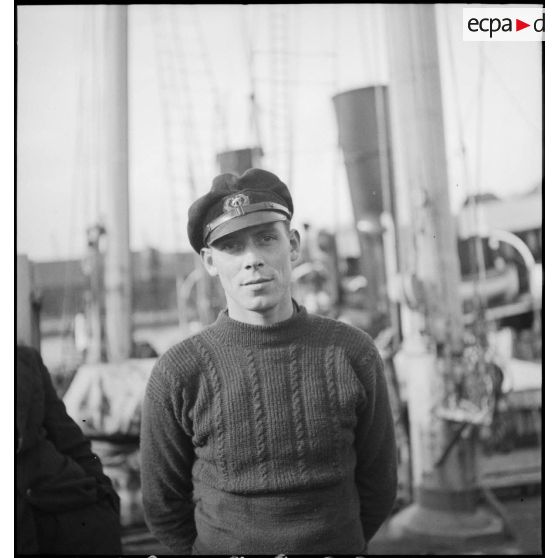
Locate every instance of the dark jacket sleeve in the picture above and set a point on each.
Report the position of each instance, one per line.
(167, 456)
(69, 440)
(376, 469)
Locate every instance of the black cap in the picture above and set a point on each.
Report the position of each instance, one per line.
(236, 202)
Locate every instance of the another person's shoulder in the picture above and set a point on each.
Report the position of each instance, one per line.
(29, 356)
(30, 368)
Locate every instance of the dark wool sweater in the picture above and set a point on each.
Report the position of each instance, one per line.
(268, 439)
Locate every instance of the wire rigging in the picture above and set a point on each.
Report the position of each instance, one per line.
(515, 101)
(478, 177)
(187, 117)
(221, 139)
(363, 35)
(77, 185)
(164, 87)
(478, 248)
(456, 96)
(249, 53)
(338, 157)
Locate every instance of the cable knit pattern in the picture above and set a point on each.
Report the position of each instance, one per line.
(260, 418)
(216, 388)
(280, 436)
(333, 401)
(298, 413)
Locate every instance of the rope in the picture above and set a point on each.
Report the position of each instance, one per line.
(338, 156)
(364, 34)
(456, 96)
(164, 86)
(480, 105)
(249, 51)
(78, 179)
(513, 98)
(221, 132)
(187, 114)
(98, 81)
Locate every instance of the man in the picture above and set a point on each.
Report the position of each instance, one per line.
(270, 431)
(64, 502)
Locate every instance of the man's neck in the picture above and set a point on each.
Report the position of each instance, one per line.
(274, 315)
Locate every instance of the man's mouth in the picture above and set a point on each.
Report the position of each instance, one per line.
(258, 281)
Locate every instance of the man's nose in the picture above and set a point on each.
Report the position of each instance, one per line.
(252, 257)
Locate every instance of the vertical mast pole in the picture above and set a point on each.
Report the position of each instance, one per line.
(445, 474)
(118, 259)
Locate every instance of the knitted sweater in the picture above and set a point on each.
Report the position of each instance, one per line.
(268, 439)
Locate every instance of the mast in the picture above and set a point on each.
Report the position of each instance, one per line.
(115, 118)
(444, 462)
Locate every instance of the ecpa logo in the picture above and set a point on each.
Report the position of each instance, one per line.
(503, 24)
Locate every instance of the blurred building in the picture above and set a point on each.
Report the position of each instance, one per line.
(62, 288)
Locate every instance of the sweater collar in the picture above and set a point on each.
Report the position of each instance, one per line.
(232, 332)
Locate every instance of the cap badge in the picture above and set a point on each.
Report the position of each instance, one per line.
(233, 202)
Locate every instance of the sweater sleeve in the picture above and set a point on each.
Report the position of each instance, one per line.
(376, 468)
(167, 456)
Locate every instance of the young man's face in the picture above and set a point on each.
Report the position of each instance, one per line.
(254, 267)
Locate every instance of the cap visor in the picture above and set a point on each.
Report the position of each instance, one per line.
(243, 222)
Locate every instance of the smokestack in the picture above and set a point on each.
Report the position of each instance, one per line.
(362, 119)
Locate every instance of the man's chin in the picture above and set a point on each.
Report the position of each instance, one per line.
(260, 304)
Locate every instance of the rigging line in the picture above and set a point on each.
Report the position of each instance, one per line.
(255, 107)
(189, 127)
(98, 55)
(222, 130)
(335, 55)
(305, 82)
(290, 94)
(249, 52)
(480, 92)
(296, 52)
(80, 167)
(184, 121)
(480, 105)
(279, 94)
(75, 175)
(364, 35)
(164, 88)
(375, 39)
(282, 100)
(381, 44)
(512, 97)
(337, 157)
(479, 254)
(272, 19)
(461, 134)
(93, 126)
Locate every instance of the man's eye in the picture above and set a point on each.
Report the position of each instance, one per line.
(227, 246)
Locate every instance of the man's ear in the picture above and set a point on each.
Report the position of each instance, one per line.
(294, 238)
(207, 259)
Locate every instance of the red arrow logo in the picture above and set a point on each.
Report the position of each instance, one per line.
(519, 25)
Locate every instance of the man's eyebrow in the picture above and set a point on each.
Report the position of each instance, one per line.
(265, 227)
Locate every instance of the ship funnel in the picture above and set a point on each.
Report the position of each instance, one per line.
(362, 120)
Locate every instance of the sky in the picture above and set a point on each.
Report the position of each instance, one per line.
(195, 67)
